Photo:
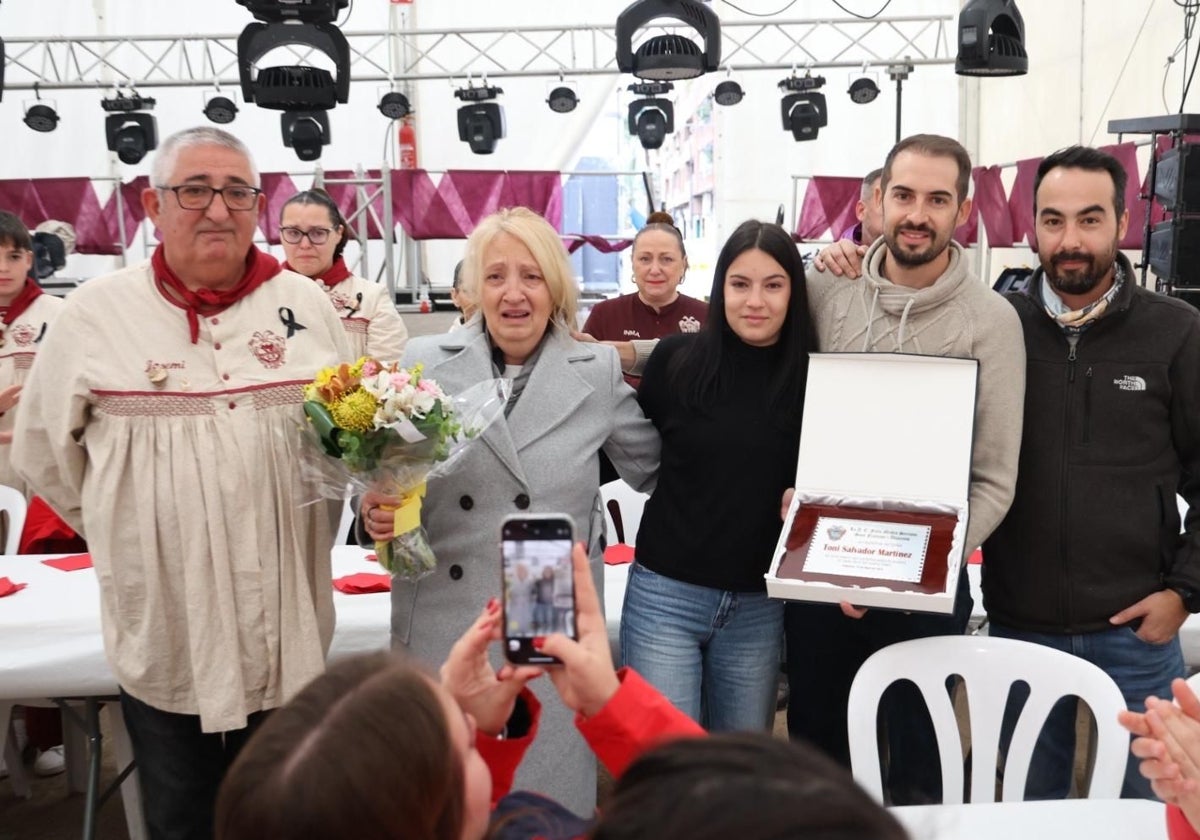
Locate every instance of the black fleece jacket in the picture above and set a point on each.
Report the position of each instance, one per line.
(1112, 433)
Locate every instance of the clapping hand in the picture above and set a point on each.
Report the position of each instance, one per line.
(1168, 743)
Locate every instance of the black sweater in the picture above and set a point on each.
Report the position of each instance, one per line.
(714, 517)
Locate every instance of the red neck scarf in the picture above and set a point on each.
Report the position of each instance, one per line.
(336, 273)
(260, 267)
(24, 299)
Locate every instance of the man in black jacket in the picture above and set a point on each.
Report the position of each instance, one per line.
(1090, 558)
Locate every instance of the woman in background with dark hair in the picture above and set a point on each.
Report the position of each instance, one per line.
(657, 308)
(697, 622)
(314, 235)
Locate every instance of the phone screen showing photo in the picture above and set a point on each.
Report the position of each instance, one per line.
(539, 587)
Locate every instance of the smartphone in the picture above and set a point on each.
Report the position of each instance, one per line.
(538, 581)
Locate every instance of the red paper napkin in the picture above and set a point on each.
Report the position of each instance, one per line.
(7, 587)
(363, 583)
(71, 563)
(617, 554)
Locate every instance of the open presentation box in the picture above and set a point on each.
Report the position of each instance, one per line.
(879, 517)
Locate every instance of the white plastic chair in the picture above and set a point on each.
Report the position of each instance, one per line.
(13, 503)
(628, 503)
(988, 667)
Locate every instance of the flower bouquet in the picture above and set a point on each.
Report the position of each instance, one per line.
(379, 426)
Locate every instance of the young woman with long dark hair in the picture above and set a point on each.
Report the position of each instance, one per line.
(727, 401)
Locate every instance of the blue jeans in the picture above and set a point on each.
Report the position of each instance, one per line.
(712, 652)
(1139, 668)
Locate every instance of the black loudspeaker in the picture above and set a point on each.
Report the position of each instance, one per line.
(1013, 280)
(1175, 251)
(1177, 179)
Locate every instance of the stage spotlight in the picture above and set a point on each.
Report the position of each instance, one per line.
(41, 117)
(863, 90)
(220, 109)
(131, 135)
(651, 120)
(298, 88)
(480, 122)
(305, 132)
(394, 105)
(562, 100)
(728, 93)
(669, 56)
(804, 110)
(304, 11)
(991, 40)
(129, 132)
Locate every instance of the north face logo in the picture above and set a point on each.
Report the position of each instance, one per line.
(1130, 383)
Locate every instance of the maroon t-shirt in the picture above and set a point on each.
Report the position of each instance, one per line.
(627, 317)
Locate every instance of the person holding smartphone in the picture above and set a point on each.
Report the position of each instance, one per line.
(435, 758)
(697, 622)
(568, 403)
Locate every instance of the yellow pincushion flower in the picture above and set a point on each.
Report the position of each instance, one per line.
(354, 411)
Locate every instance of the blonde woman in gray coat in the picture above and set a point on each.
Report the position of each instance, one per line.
(569, 402)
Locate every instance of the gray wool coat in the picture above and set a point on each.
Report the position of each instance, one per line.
(542, 458)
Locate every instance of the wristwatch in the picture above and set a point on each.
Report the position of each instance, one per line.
(1189, 596)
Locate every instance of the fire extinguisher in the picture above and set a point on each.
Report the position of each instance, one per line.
(408, 144)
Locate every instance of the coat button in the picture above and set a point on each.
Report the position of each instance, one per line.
(522, 501)
(455, 572)
(466, 502)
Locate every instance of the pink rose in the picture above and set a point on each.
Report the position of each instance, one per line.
(400, 380)
(370, 367)
(429, 387)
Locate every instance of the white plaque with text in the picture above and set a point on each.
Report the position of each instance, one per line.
(864, 549)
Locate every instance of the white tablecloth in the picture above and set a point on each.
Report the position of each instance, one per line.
(50, 643)
(1067, 819)
(50, 640)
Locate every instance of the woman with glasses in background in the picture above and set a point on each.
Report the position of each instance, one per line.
(314, 234)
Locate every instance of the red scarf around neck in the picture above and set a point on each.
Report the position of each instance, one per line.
(336, 273)
(24, 299)
(260, 267)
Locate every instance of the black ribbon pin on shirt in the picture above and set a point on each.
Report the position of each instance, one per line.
(41, 334)
(351, 308)
(289, 320)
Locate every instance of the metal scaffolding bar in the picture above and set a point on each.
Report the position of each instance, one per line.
(146, 61)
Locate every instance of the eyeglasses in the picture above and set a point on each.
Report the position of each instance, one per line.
(200, 196)
(293, 235)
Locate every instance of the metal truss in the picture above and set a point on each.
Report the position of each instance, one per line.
(58, 63)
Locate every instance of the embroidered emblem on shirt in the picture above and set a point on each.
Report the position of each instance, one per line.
(23, 334)
(688, 324)
(339, 300)
(631, 333)
(269, 348)
(1130, 383)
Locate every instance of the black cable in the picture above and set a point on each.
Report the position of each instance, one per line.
(886, 3)
(759, 14)
(1190, 9)
(350, 11)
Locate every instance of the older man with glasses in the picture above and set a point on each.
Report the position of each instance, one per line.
(160, 420)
